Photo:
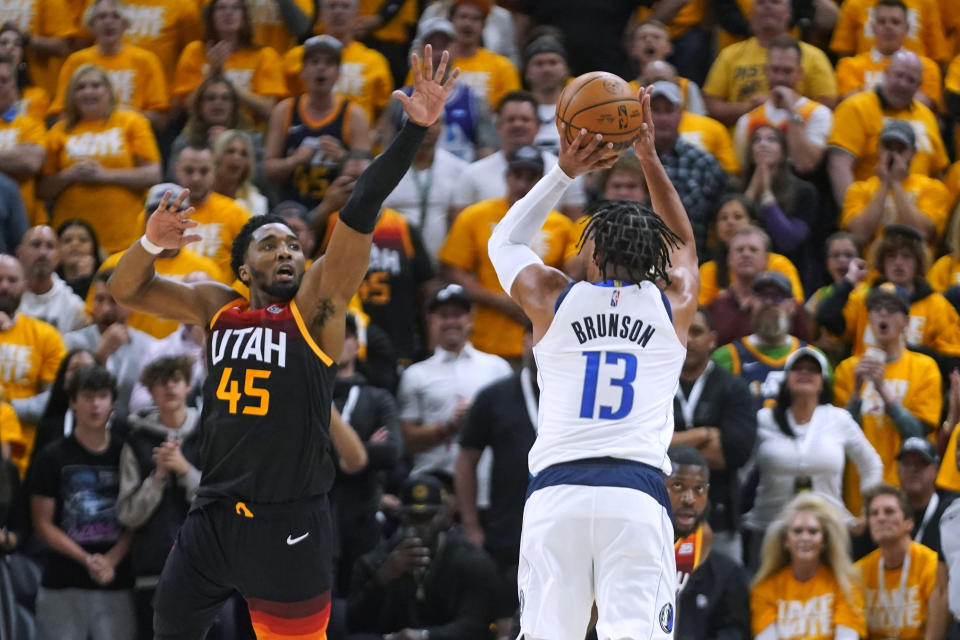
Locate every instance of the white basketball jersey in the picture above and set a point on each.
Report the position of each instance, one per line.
(608, 368)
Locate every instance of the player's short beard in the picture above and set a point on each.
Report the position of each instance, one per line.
(701, 517)
(284, 291)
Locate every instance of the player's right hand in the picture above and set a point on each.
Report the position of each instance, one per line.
(586, 153)
(167, 225)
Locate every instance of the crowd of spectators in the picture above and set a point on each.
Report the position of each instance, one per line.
(815, 446)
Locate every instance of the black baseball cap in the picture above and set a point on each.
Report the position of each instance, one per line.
(889, 292)
(920, 446)
(422, 493)
(525, 157)
(450, 293)
(773, 278)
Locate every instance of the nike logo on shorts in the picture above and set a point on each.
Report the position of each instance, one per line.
(292, 541)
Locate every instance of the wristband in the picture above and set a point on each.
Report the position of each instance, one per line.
(149, 247)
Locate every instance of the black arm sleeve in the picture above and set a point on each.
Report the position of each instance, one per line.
(389, 9)
(830, 310)
(379, 179)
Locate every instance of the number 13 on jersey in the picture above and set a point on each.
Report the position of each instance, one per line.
(608, 371)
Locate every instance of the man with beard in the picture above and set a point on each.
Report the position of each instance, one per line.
(47, 297)
(261, 524)
(759, 357)
(30, 353)
(712, 590)
(114, 343)
(893, 392)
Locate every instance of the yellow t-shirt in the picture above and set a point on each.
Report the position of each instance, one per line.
(711, 136)
(466, 248)
(269, 30)
(115, 143)
(854, 30)
(952, 81)
(933, 322)
(737, 73)
(254, 70)
(30, 353)
(25, 130)
(857, 123)
(890, 613)
(913, 380)
(34, 102)
(177, 267)
(364, 77)
(11, 432)
(489, 74)
(952, 181)
(944, 273)
(48, 18)
(930, 197)
(219, 220)
(136, 75)
(709, 289)
(865, 71)
(398, 28)
(810, 610)
(163, 27)
(949, 476)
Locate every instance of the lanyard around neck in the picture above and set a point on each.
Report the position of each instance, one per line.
(689, 405)
(899, 600)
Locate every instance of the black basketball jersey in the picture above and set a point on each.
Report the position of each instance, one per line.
(309, 182)
(266, 408)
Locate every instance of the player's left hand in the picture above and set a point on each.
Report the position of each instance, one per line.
(586, 153)
(644, 144)
(429, 89)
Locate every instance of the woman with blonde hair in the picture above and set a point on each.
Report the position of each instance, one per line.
(234, 160)
(100, 160)
(807, 587)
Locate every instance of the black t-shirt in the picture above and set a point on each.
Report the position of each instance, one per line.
(931, 532)
(85, 486)
(594, 31)
(499, 419)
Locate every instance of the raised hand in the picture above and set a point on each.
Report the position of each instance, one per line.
(167, 225)
(644, 145)
(430, 91)
(585, 154)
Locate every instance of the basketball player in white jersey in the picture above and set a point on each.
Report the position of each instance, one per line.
(596, 525)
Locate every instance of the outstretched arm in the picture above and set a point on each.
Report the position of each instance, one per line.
(330, 283)
(684, 273)
(135, 283)
(532, 284)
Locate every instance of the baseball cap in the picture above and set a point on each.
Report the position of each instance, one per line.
(668, 90)
(889, 292)
(773, 278)
(903, 231)
(543, 44)
(920, 446)
(806, 352)
(422, 493)
(899, 131)
(437, 24)
(322, 44)
(450, 293)
(155, 195)
(525, 157)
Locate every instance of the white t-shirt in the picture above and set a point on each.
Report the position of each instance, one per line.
(950, 548)
(548, 138)
(439, 182)
(486, 179)
(59, 306)
(428, 393)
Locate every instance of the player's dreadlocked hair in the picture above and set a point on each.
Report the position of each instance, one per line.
(632, 237)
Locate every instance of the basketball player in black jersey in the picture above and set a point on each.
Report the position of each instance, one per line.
(261, 523)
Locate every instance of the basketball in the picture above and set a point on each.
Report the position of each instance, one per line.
(603, 103)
